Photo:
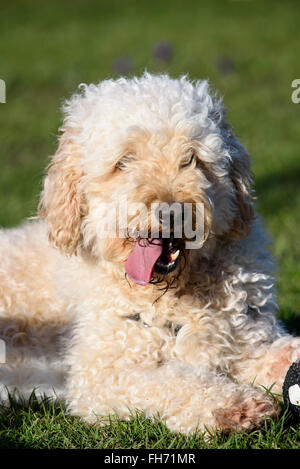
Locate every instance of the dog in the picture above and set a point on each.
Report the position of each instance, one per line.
(134, 319)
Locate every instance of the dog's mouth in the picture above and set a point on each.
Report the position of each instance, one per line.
(168, 261)
(153, 255)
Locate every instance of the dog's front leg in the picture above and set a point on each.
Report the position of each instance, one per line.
(267, 364)
(117, 365)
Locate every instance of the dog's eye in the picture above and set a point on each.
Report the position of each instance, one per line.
(120, 165)
(123, 162)
(188, 161)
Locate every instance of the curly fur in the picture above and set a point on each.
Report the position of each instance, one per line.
(199, 354)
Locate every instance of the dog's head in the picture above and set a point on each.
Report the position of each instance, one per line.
(138, 159)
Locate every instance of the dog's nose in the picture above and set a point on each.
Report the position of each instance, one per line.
(166, 218)
(170, 216)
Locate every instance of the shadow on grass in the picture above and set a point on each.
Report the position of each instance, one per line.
(292, 324)
(276, 190)
(10, 442)
(19, 416)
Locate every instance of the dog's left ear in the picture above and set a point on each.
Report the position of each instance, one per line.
(61, 198)
(242, 182)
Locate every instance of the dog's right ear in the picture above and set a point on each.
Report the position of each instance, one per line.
(61, 199)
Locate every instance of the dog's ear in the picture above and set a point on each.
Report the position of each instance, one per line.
(61, 198)
(242, 182)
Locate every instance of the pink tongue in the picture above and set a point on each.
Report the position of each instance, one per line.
(140, 264)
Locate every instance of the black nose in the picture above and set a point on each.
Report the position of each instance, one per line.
(170, 216)
(166, 219)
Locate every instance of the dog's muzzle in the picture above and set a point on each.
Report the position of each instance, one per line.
(159, 255)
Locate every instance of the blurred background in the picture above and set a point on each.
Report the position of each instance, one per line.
(249, 50)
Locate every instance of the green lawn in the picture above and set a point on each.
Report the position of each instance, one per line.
(46, 426)
(250, 52)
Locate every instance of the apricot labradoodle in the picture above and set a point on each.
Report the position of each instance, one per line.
(111, 324)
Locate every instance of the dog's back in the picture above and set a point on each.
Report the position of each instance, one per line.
(32, 319)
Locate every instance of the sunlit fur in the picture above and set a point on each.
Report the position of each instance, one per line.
(195, 346)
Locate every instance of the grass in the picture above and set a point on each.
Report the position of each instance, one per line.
(45, 425)
(248, 49)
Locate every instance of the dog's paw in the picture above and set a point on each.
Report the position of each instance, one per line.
(283, 357)
(245, 415)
